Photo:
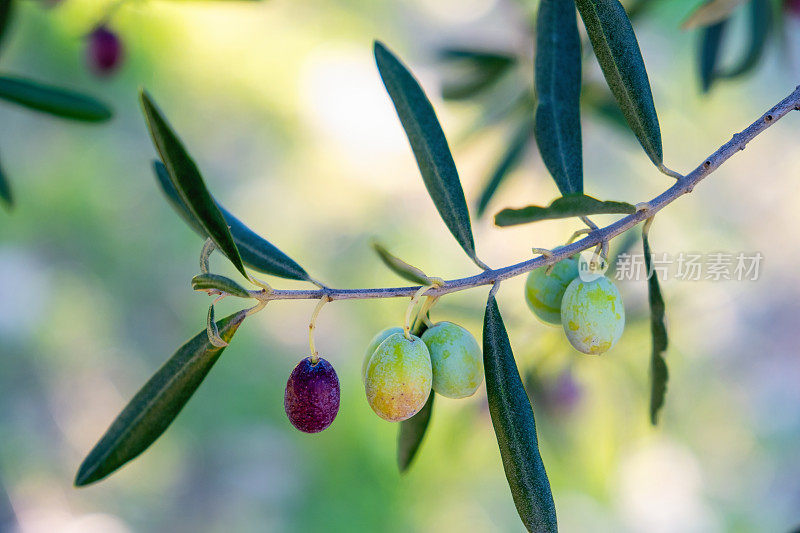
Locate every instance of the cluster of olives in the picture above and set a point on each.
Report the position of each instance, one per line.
(399, 372)
(590, 310)
(400, 369)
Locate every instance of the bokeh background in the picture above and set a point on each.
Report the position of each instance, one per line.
(283, 109)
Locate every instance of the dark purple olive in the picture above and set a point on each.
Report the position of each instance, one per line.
(312, 395)
(104, 51)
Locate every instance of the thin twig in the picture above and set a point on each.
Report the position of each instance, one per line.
(682, 186)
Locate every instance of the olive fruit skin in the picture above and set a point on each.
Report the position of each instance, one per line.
(456, 360)
(312, 394)
(398, 378)
(373, 345)
(544, 293)
(592, 315)
(104, 51)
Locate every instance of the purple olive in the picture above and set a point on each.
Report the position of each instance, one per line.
(104, 51)
(312, 395)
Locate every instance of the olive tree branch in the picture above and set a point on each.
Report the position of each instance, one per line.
(645, 210)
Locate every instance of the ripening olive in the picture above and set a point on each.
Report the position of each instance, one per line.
(311, 400)
(104, 51)
(398, 377)
(374, 343)
(544, 292)
(592, 315)
(456, 360)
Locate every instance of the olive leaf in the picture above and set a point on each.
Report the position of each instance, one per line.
(711, 12)
(411, 433)
(573, 205)
(186, 178)
(429, 145)
(213, 331)
(256, 252)
(659, 375)
(5, 191)
(53, 100)
(760, 26)
(400, 267)
(484, 69)
(599, 100)
(710, 45)
(515, 427)
(6, 12)
(510, 160)
(203, 282)
(617, 51)
(558, 91)
(156, 404)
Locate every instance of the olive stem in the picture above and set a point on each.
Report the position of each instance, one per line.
(414, 299)
(682, 185)
(312, 325)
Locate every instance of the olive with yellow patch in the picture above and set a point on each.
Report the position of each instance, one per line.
(544, 292)
(373, 345)
(456, 360)
(592, 315)
(398, 377)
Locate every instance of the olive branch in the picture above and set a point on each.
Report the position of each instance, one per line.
(644, 211)
(558, 134)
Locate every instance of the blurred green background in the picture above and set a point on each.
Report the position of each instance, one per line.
(283, 109)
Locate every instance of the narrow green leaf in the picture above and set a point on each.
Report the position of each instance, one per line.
(411, 433)
(213, 331)
(429, 146)
(574, 205)
(638, 7)
(53, 100)
(558, 92)
(156, 404)
(760, 26)
(6, 12)
(187, 180)
(601, 102)
(477, 57)
(618, 53)
(515, 427)
(6, 195)
(400, 267)
(482, 70)
(203, 282)
(711, 12)
(510, 160)
(256, 252)
(710, 44)
(658, 329)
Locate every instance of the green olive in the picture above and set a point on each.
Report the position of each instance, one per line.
(592, 315)
(397, 381)
(456, 360)
(544, 292)
(374, 343)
